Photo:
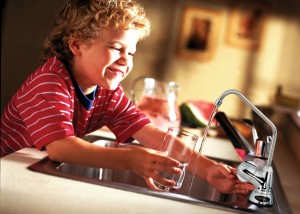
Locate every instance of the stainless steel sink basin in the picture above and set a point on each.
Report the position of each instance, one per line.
(202, 193)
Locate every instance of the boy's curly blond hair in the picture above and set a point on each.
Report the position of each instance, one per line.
(84, 19)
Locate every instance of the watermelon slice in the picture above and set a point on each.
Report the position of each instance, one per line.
(196, 113)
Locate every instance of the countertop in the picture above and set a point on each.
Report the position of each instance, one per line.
(25, 191)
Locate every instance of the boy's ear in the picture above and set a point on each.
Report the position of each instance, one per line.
(75, 46)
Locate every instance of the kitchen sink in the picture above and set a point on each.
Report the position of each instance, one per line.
(201, 194)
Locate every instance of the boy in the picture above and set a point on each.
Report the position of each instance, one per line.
(77, 91)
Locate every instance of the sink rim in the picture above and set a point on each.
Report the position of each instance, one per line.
(46, 166)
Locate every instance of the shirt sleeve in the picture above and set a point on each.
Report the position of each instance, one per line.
(45, 107)
(126, 118)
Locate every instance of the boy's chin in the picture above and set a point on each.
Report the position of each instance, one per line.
(113, 86)
(109, 85)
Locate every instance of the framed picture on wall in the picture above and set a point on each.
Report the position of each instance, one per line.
(247, 22)
(199, 33)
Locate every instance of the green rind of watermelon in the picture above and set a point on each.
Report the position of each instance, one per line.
(192, 115)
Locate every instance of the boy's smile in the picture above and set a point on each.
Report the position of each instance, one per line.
(105, 61)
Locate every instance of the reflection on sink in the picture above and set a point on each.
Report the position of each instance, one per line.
(202, 193)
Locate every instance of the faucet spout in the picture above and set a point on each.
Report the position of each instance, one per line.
(218, 103)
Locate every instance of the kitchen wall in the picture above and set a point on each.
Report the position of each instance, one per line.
(255, 73)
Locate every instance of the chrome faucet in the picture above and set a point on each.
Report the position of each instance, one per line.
(261, 176)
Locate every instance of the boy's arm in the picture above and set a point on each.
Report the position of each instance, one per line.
(75, 150)
(140, 160)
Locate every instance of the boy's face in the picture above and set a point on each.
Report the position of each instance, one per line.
(106, 61)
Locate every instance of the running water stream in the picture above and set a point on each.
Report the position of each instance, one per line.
(201, 146)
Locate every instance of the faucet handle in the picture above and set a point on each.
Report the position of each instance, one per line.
(263, 147)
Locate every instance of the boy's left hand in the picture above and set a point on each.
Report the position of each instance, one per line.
(224, 179)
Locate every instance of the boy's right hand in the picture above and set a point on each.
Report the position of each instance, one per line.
(148, 163)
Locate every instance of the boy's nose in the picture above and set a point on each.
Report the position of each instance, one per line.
(123, 60)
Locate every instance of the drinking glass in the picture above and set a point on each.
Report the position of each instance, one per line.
(179, 144)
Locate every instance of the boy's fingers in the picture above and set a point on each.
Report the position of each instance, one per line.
(161, 158)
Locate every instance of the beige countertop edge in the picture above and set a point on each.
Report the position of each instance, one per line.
(24, 191)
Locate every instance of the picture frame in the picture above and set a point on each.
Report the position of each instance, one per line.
(247, 22)
(199, 33)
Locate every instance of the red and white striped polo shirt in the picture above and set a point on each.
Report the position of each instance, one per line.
(50, 106)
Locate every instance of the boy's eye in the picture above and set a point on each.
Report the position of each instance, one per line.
(115, 48)
(120, 49)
